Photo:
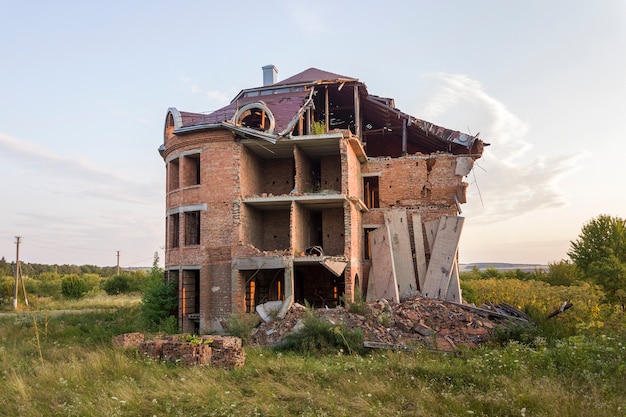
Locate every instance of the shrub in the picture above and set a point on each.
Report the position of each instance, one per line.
(118, 284)
(73, 287)
(160, 302)
(358, 306)
(562, 273)
(318, 128)
(539, 299)
(241, 325)
(92, 281)
(7, 286)
(322, 337)
(50, 285)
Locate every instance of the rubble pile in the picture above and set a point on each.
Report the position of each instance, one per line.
(438, 324)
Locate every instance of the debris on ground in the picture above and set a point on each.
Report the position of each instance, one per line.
(416, 321)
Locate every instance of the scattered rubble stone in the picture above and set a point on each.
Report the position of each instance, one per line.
(429, 322)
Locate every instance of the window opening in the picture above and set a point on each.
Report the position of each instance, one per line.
(370, 190)
(192, 169)
(192, 228)
(174, 230)
(174, 171)
(255, 116)
(367, 249)
(191, 291)
(172, 275)
(266, 285)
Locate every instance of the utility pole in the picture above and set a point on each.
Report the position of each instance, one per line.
(118, 262)
(17, 269)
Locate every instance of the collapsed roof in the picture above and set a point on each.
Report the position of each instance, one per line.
(317, 102)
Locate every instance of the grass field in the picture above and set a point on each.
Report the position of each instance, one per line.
(62, 363)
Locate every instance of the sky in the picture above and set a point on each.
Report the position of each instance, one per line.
(85, 87)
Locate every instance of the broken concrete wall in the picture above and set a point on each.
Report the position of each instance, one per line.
(398, 228)
(442, 274)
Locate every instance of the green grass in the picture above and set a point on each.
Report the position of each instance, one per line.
(74, 371)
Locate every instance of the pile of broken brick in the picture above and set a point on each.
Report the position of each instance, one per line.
(417, 321)
(224, 352)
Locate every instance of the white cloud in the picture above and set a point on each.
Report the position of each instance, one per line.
(47, 163)
(515, 180)
(69, 209)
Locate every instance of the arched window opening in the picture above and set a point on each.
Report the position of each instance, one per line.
(255, 116)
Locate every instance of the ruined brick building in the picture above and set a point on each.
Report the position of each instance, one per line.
(275, 196)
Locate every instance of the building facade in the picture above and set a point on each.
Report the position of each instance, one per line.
(273, 197)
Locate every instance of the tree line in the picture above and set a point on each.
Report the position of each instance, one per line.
(597, 257)
(34, 270)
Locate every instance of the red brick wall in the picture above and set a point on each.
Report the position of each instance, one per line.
(303, 171)
(415, 180)
(276, 235)
(333, 232)
(250, 179)
(251, 220)
(276, 176)
(330, 167)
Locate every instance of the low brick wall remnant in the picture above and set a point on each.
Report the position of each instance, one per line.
(224, 352)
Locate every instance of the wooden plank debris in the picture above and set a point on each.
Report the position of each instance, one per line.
(486, 312)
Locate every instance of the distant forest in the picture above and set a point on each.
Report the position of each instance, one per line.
(35, 270)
